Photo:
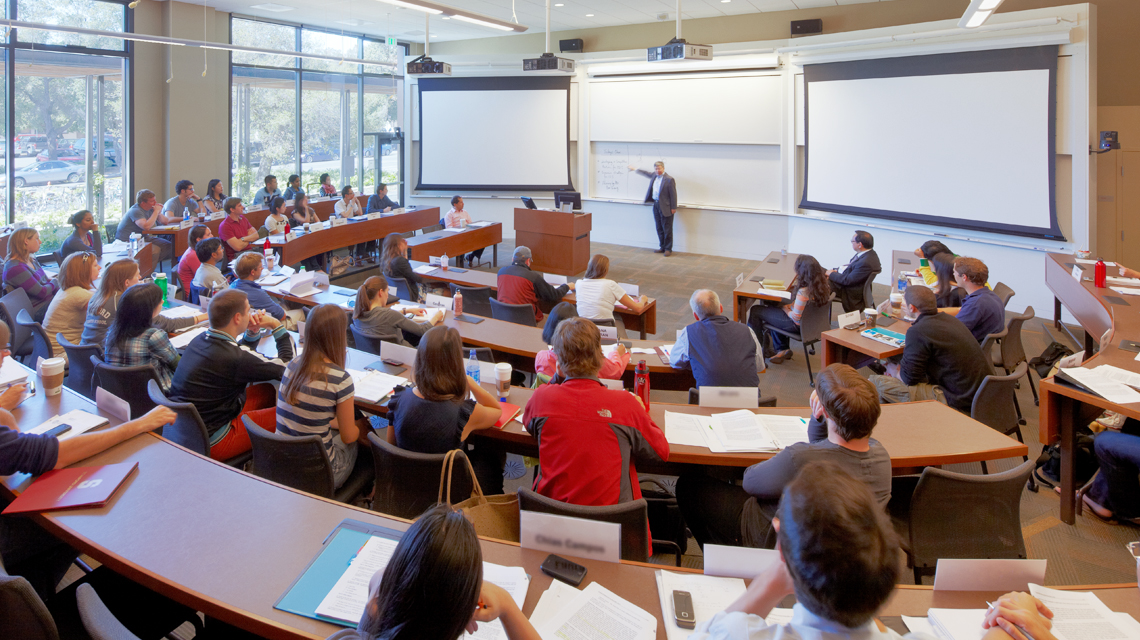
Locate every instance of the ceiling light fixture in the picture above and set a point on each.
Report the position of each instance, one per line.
(270, 6)
(436, 9)
(485, 23)
(978, 12)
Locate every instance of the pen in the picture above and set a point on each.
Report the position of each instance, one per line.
(1019, 627)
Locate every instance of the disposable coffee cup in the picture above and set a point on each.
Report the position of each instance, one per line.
(896, 299)
(503, 379)
(871, 316)
(51, 375)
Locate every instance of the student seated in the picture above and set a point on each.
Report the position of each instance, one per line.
(248, 268)
(927, 251)
(545, 362)
(940, 360)
(303, 213)
(562, 417)
(327, 188)
(372, 317)
(208, 276)
(236, 233)
(518, 284)
(315, 396)
(86, 236)
(839, 555)
(26, 548)
(982, 310)
(217, 366)
(394, 263)
(435, 416)
(188, 264)
(844, 410)
(176, 207)
(22, 270)
(293, 188)
(266, 194)
(721, 353)
(101, 310)
(947, 293)
(596, 295)
(811, 287)
(68, 309)
(133, 339)
(215, 198)
(277, 220)
(142, 217)
(457, 218)
(379, 202)
(433, 587)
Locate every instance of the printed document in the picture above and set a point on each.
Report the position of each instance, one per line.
(598, 614)
(374, 386)
(1102, 385)
(741, 431)
(514, 581)
(348, 597)
(687, 429)
(1080, 615)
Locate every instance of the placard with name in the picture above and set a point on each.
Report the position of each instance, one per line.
(849, 319)
(608, 333)
(339, 222)
(1078, 272)
(186, 223)
(291, 236)
(568, 536)
(433, 300)
(217, 215)
(392, 291)
(632, 289)
(375, 215)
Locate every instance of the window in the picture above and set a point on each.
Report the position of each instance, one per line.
(92, 14)
(264, 127)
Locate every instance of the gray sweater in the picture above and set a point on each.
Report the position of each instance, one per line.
(385, 323)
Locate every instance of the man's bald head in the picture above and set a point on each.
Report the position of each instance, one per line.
(705, 303)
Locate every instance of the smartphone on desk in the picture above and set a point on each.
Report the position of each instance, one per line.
(562, 569)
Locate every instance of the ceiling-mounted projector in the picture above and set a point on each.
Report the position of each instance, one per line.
(548, 62)
(425, 65)
(678, 49)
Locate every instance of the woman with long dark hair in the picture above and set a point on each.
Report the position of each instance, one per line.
(86, 236)
(394, 263)
(812, 287)
(214, 196)
(947, 292)
(277, 219)
(435, 416)
(134, 340)
(433, 587)
(372, 317)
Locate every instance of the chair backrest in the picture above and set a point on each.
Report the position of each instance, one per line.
(1003, 292)
(476, 300)
(23, 613)
(407, 483)
(365, 343)
(434, 227)
(868, 299)
(1012, 348)
(199, 294)
(954, 515)
(603, 322)
(128, 383)
(192, 296)
(403, 289)
(97, 619)
(10, 305)
(815, 320)
(41, 346)
(633, 516)
(297, 462)
(188, 429)
(79, 367)
(517, 313)
(994, 402)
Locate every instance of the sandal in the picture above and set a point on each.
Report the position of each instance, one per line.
(781, 356)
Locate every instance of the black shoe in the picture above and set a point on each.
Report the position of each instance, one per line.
(668, 252)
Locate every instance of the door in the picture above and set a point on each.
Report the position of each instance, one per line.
(384, 151)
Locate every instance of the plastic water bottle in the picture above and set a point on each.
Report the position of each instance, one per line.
(457, 303)
(185, 214)
(134, 243)
(641, 382)
(160, 280)
(902, 283)
(473, 367)
(443, 261)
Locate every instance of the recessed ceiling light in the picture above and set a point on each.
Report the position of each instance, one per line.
(725, 1)
(559, 4)
(589, 15)
(353, 22)
(446, 17)
(269, 6)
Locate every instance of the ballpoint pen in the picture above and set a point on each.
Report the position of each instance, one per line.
(1019, 627)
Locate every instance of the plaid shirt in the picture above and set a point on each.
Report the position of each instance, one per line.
(150, 347)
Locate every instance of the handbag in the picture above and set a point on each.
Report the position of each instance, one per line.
(493, 516)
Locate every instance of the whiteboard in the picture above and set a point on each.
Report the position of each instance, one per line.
(711, 175)
(744, 109)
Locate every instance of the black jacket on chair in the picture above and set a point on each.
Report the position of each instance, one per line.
(848, 284)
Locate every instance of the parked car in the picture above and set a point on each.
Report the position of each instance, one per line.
(71, 150)
(45, 172)
(31, 145)
(317, 155)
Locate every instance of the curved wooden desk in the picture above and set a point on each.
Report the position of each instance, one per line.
(456, 243)
(1064, 407)
(775, 266)
(316, 243)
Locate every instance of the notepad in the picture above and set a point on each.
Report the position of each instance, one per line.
(710, 596)
(182, 340)
(596, 614)
(736, 431)
(375, 386)
(424, 269)
(180, 311)
(80, 421)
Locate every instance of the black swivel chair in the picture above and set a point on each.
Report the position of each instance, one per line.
(517, 313)
(995, 405)
(815, 320)
(41, 345)
(407, 483)
(128, 383)
(79, 367)
(11, 304)
(188, 430)
(476, 300)
(301, 463)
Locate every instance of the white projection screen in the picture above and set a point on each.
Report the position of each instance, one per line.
(495, 134)
(961, 140)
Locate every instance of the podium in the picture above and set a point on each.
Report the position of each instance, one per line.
(559, 241)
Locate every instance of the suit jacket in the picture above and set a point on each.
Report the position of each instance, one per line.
(848, 284)
(668, 196)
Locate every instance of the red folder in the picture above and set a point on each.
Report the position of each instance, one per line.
(509, 412)
(72, 488)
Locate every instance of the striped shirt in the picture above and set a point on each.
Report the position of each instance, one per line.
(314, 410)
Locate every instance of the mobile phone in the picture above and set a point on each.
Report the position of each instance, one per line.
(562, 569)
(58, 430)
(683, 610)
(349, 292)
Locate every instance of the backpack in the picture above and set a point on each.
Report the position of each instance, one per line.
(1049, 357)
(1048, 471)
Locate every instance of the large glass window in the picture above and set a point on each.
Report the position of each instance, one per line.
(91, 14)
(339, 104)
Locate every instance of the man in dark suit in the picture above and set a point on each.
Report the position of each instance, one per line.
(663, 194)
(848, 282)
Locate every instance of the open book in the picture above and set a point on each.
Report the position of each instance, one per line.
(738, 431)
(375, 386)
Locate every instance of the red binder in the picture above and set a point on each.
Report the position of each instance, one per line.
(72, 488)
(509, 412)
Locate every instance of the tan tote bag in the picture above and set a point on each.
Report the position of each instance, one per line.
(493, 516)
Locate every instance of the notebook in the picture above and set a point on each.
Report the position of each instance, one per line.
(72, 488)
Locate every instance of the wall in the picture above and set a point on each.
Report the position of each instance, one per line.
(181, 127)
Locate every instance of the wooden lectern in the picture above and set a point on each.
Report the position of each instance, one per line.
(559, 241)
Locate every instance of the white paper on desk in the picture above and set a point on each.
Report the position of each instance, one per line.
(1126, 291)
(1085, 261)
(557, 596)
(424, 269)
(919, 624)
(957, 624)
(1078, 615)
(374, 386)
(180, 311)
(632, 289)
(112, 404)
(1127, 282)
(554, 279)
(480, 223)
(182, 340)
(785, 430)
(276, 238)
(12, 373)
(741, 431)
(273, 280)
(1120, 375)
(686, 429)
(738, 562)
(710, 596)
(348, 597)
(80, 421)
(1102, 385)
(514, 581)
(597, 608)
(779, 293)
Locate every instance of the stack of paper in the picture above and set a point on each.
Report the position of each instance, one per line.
(480, 223)
(375, 386)
(1104, 382)
(424, 269)
(182, 340)
(710, 596)
(180, 311)
(514, 581)
(737, 431)
(80, 421)
(594, 613)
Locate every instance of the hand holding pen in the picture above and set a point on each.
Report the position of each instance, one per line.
(1021, 616)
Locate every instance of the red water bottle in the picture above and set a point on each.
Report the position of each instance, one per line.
(267, 246)
(286, 227)
(641, 382)
(1101, 274)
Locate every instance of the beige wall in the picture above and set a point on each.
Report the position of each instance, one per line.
(1117, 21)
(181, 128)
